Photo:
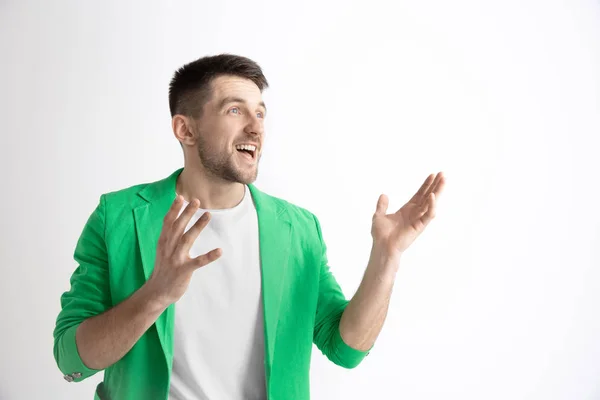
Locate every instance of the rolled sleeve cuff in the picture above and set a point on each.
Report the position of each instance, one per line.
(69, 360)
(349, 357)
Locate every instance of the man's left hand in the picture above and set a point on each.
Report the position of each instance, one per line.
(394, 233)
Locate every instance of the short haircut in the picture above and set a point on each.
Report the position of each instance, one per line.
(190, 87)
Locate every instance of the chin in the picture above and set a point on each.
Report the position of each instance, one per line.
(239, 175)
(247, 179)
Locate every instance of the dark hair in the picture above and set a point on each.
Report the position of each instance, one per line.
(190, 86)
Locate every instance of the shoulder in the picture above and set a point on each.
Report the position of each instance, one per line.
(299, 216)
(119, 202)
(139, 193)
(295, 211)
(117, 205)
(125, 194)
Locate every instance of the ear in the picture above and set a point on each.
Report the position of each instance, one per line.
(183, 129)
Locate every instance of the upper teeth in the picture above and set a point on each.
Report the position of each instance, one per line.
(246, 147)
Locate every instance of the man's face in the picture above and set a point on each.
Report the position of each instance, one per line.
(230, 131)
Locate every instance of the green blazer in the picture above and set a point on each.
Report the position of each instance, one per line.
(302, 300)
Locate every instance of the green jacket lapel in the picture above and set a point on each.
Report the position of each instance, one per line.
(148, 222)
(275, 231)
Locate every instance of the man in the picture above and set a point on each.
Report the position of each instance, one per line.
(200, 286)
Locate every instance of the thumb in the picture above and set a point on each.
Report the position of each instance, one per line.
(382, 205)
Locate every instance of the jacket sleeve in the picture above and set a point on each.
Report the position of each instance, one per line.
(330, 306)
(89, 295)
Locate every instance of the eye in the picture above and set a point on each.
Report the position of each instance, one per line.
(236, 109)
(260, 115)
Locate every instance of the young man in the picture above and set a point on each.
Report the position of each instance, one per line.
(200, 286)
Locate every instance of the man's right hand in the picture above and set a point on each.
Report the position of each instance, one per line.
(104, 339)
(174, 267)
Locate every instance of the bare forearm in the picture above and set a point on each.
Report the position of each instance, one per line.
(366, 312)
(104, 339)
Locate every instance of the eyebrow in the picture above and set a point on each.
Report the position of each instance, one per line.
(230, 99)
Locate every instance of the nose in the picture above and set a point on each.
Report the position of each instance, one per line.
(255, 126)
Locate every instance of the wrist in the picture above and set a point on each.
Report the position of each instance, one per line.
(383, 267)
(383, 257)
(152, 298)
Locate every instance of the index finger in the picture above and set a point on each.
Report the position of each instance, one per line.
(173, 212)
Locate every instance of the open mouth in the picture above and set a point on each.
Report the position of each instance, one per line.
(247, 151)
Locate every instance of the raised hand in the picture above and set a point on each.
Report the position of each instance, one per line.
(173, 267)
(394, 233)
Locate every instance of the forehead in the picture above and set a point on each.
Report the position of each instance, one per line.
(234, 86)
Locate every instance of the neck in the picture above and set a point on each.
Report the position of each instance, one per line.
(214, 193)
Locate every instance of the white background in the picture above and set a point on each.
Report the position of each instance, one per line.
(499, 298)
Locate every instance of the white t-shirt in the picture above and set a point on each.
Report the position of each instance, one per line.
(219, 337)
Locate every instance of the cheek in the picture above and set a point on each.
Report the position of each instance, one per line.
(224, 132)
(230, 132)
(217, 135)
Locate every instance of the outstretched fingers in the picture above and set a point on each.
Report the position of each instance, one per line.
(423, 190)
(429, 210)
(188, 239)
